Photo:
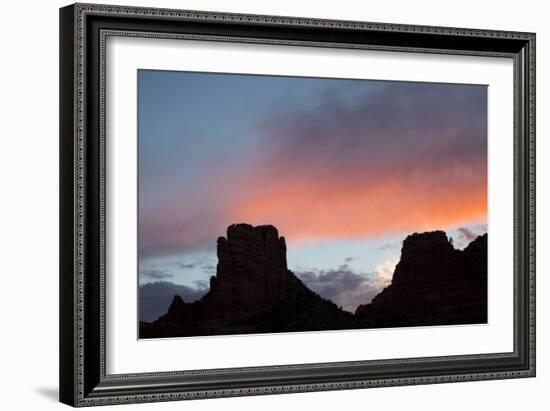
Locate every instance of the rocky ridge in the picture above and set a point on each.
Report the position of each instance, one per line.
(433, 284)
(254, 292)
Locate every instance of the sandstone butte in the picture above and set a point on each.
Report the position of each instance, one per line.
(253, 290)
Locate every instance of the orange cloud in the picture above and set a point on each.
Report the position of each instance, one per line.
(327, 210)
(394, 159)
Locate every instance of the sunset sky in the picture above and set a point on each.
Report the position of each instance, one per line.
(345, 169)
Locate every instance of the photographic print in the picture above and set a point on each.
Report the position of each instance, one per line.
(272, 204)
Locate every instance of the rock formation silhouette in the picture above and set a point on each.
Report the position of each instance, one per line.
(433, 284)
(254, 292)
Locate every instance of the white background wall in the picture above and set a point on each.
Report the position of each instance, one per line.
(29, 204)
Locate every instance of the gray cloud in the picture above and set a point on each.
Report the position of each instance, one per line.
(155, 298)
(393, 128)
(466, 234)
(209, 268)
(156, 274)
(343, 286)
(182, 265)
(389, 246)
(201, 284)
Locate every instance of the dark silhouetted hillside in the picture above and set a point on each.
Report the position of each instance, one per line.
(433, 284)
(254, 292)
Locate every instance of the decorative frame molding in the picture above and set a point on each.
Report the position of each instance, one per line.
(83, 32)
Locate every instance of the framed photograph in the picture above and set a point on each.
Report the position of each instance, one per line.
(262, 204)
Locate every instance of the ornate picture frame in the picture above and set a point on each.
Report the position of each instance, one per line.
(84, 82)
